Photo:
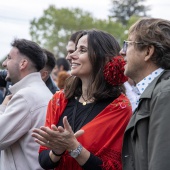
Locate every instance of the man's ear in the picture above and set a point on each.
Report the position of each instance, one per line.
(23, 63)
(61, 68)
(149, 52)
(44, 74)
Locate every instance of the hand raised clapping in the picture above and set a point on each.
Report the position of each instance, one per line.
(59, 138)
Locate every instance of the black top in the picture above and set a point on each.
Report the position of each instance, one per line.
(51, 85)
(93, 162)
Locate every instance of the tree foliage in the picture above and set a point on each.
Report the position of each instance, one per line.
(53, 29)
(122, 10)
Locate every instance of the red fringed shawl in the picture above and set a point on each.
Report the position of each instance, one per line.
(102, 136)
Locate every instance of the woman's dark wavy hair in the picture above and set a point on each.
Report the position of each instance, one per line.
(102, 47)
(156, 32)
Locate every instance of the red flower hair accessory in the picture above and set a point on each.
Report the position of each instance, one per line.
(114, 71)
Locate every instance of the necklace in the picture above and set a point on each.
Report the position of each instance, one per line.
(85, 100)
(89, 110)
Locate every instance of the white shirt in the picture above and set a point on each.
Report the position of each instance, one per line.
(132, 95)
(134, 92)
(143, 84)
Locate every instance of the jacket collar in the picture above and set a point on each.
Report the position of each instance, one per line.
(146, 94)
(148, 91)
(26, 81)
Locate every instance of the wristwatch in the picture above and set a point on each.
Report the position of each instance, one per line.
(76, 152)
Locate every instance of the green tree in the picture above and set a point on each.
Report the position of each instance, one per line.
(122, 10)
(54, 28)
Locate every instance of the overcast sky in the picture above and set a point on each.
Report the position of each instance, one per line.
(15, 15)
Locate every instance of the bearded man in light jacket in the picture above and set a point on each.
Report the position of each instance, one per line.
(25, 108)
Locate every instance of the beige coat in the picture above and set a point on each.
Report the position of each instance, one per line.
(25, 111)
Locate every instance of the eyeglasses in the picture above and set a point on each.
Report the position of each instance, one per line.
(126, 43)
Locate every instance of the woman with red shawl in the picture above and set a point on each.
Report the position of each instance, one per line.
(86, 121)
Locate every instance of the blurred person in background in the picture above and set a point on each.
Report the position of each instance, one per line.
(61, 79)
(63, 75)
(46, 71)
(3, 83)
(71, 44)
(2, 91)
(86, 121)
(61, 65)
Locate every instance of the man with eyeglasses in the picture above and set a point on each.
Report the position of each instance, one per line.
(146, 143)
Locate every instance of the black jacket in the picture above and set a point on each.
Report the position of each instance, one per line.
(51, 85)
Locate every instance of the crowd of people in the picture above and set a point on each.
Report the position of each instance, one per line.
(102, 107)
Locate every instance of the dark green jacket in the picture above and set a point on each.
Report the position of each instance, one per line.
(147, 137)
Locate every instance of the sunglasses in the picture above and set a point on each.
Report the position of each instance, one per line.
(126, 43)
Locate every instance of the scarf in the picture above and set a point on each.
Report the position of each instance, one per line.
(103, 136)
